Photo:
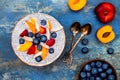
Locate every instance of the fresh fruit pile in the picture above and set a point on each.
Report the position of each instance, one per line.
(97, 70)
(39, 40)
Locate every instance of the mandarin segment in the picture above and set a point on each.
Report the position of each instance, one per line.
(44, 53)
(50, 25)
(25, 46)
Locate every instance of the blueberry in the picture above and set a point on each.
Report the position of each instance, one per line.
(53, 34)
(84, 41)
(30, 34)
(84, 50)
(83, 74)
(103, 75)
(37, 35)
(87, 67)
(100, 69)
(111, 77)
(43, 22)
(38, 59)
(105, 66)
(94, 71)
(98, 64)
(109, 71)
(92, 64)
(43, 38)
(92, 78)
(110, 50)
(88, 74)
(98, 78)
(36, 41)
(39, 47)
(51, 50)
(21, 41)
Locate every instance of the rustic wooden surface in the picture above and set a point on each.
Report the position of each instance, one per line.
(11, 11)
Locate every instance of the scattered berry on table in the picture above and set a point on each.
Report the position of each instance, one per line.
(38, 59)
(53, 34)
(84, 41)
(43, 38)
(110, 50)
(51, 50)
(85, 50)
(30, 34)
(36, 41)
(43, 22)
(21, 41)
(39, 47)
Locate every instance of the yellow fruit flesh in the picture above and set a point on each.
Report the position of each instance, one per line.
(103, 30)
(49, 25)
(25, 46)
(44, 53)
(76, 4)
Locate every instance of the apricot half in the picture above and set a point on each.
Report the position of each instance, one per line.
(76, 4)
(105, 34)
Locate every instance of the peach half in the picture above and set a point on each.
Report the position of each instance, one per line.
(76, 5)
(105, 34)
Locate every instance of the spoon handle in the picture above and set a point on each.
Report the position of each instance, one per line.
(76, 43)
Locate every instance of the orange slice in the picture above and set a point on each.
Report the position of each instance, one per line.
(49, 25)
(25, 46)
(31, 26)
(44, 53)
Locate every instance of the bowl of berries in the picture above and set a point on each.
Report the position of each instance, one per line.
(38, 39)
(97, 70)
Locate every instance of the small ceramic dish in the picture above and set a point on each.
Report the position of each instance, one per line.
(98, 72)
(28, 54)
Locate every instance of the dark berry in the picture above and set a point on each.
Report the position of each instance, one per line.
(43, 22)
(21, 41)
(87, 67)
(39, 47)
(92, 78)
(84, 41)
(84, 50)
(43, 38)
(103, 75)
(38, 59)
(100, 70)
(37, 35)
(109, 71)
(105, 66)
(94, 71)
(30, 34)
(98, 64)
(83, 74)
(98, 78)
(53, 34)
(110, 50)
(88, 74)
(111, 77)
(92, 64)
(36, 41)
(51, 50)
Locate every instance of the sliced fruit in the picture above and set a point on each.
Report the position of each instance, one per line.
(33, 21)
(36, 51)
(31, 50)
(24, 33)
(48, 33)
(31, 26)
(76, 4)
(25, 46)
(44, 45)
(27, 38)
(49, 25)
(44, 53)
(42, 30)
(105, 34)
(38, 54)
(50, 42)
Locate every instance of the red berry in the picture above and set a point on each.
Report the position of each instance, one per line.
(24, 33)
(31, 50)
(42, 30)
(50, 42)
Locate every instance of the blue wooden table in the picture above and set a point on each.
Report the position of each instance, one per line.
(11, 11)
